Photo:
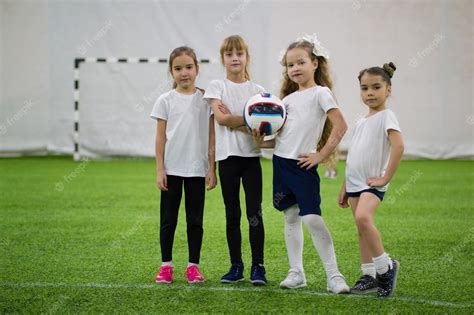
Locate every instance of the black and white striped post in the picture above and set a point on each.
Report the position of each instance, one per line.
(77, 63)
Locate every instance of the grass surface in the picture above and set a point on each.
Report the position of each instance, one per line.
(83, 237)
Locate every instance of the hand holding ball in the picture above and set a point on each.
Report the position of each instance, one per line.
(265, 113)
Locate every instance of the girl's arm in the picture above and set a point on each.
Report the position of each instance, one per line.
(342, 201)
(161, 180)
(243, 129)
(396, 142)
(339, 128)
(223, 117)
(211, 179)
(258, 138)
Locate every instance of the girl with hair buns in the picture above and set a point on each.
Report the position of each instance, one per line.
(313, 129)
(374, 155)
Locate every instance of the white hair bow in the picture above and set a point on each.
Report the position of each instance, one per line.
(318, 49)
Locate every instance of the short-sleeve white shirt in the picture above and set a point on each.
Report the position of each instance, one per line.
(187, 132)
(369, 151)
(234, 96)
(307, 112)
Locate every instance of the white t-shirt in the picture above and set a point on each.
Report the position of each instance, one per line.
(234, 96)
(369, 150)
(187, 132)
(305, 121)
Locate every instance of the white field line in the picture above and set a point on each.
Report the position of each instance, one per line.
(226, 289)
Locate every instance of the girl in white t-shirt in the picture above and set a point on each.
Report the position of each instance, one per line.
(313, 129)
(374, 155)
(184, 156)
(239, 158)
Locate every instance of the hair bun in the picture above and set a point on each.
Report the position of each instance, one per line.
(389, 68)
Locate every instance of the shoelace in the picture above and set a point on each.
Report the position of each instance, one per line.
(338, 279)
(293, 273)
(193, 271)
(256, 269)
(236, 269)
(363, 279)
(165, 271)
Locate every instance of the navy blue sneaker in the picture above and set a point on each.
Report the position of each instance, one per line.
(257, 275)
(388, 280)
(365, 285)
(235, 274)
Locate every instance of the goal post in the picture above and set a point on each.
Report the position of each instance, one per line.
(115, 122)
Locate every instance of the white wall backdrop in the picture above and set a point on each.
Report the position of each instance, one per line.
(429, 41)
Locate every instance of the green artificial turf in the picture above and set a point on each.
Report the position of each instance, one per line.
(83, 237)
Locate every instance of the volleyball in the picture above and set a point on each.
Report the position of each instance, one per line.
(265, 112)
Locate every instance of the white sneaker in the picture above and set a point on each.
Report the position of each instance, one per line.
(337, 284)
(295, 279)
(332, 174)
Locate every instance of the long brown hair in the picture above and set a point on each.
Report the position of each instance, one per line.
(321, 77)
(182, 50)
(238, 43)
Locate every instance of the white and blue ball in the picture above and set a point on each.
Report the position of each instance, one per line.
(266, 113)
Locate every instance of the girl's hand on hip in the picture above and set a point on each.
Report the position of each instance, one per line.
(309, 160)
(377, 181)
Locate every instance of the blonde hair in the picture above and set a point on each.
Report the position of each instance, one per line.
(321, 77)
(183, 50)
(238, 43)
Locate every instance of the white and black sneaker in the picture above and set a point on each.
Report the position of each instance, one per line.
(388, 281)
(365, 285)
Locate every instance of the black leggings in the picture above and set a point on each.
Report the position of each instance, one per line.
(194, 191)
(231, 170)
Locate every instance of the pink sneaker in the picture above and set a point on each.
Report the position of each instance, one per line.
(193, 275)
(165, 275)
